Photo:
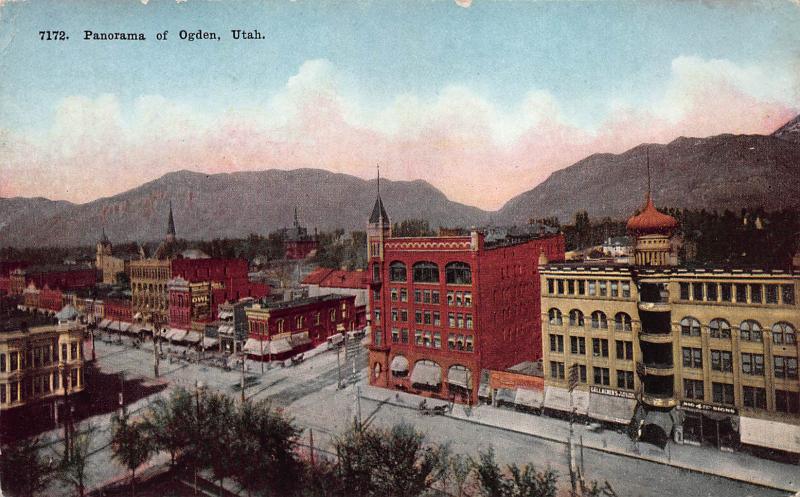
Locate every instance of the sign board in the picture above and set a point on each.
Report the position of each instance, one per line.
(699, 406)
(612, 393)
(507, 379)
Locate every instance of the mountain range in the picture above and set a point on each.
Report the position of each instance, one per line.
(715, 173)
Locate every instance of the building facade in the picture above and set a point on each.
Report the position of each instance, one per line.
(63, 277)
(701, 354)
(297, 243)
(444, 308)
(149, 287)
(325, 281)
(277, 330)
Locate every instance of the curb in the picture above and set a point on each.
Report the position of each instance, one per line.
(604, 449)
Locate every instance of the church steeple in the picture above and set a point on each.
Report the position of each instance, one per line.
(378, 215)
(296, 221)
(170, 225)
(379, 226)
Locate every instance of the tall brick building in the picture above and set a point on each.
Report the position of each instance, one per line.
(444, 308)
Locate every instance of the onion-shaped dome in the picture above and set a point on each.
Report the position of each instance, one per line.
(650, 221)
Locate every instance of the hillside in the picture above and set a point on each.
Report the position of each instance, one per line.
(715, 173)
(227, 205)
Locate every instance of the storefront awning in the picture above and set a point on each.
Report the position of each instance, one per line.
(192, 337)
(426, 374)
(166, 333)
(225, 329)
(176, 335)
(460, 377)
(399, 364)
(557, 398)
(209, 342)
(611, 409)
(254, 346)
(336, 339)
(771, 434)
(504, 395)
(529, 398)
(225, 314)
(135, 328)
(299, 339)
(280, 345)
(104, 323)
(123, 326)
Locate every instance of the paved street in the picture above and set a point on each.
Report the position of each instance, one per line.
(308, 393)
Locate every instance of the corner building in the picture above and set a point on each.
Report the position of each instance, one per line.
(444, 308)
(704, 355)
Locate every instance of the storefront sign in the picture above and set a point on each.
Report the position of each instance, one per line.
(512, 381)
(699, 406)
(611, 392)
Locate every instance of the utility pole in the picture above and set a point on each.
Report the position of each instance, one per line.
(358, 405)
(244, 358)
(155, 322)
(311, 444)
(338, 367)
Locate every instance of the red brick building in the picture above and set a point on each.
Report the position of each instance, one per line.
(117, 309)
(6, 267)
(445, 308)
(326, 281)
(64, 277)
(277, 330)
(298, 244)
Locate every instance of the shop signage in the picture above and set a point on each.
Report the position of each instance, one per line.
(699, 406)
(611, 392)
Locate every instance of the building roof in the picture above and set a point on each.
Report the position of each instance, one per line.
(650, 221)
(336, 278)
(317, 276)
(56, 268)
(378, 212)
(289, 304)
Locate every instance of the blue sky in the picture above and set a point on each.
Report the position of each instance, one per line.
(590, 58)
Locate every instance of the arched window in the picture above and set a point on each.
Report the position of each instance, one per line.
(555, 317)
(280, 326)
(458, 273)
(426, 272)
(599, 320)
(719, 328)
(784, 334)
(690, 327)
(622, 322)
(575, 318)
(298, 322)
(750, 331)
(397, 272)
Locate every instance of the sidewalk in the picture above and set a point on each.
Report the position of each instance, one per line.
(706, 460)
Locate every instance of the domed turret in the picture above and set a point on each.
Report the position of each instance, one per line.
(652, 230)
(651, 222)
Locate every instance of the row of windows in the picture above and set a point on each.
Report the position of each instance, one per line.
(577, 346)
(753, 293)
(600, 288)
(37, 357)
(260, 327)
(456, 273)
(755, 397)
(600, 376)
(458, 299)
(599, 320)
(433, 340)
(752, 364)
(749, 330)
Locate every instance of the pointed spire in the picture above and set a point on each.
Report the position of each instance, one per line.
(296, 222)
(648, 174)
(104, 238)
(379, 215)
(170, 223)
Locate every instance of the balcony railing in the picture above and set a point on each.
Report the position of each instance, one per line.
(651, 337)
(659, 400)
(655, 306)
(659, 369)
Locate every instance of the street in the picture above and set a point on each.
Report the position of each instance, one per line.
(308, 393)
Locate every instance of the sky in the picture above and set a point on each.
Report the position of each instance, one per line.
(481, 99)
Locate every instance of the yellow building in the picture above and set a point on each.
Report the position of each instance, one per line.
(704, 355)
(149, 287)
(105, 261)
(39, 363)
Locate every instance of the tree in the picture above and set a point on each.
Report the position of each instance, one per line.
(72, 469)
(22, 469)
(268, 441)
(515, 481)
(166, 422)
(457, 477)
(130, 444)
(394, 462)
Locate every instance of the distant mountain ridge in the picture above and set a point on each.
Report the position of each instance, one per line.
(715, 173)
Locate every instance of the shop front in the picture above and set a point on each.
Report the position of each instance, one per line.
(708, 424)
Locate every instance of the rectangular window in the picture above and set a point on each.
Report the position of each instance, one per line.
(56, 378)
(437, 340)
(581, 287)
(460, 318)
(692, 358)
(722, 360)
(754, 397)
(560, 284)
(615, 288)
(725, 292)
(418, 337)
(787, 294)
(693, 389)
(557, 370)
(451, 319)
(577, 345)
(437, 318)
(625, 379)
(378, 337)
(427, 338)
(753, 364)
(592, 287)
(786, 401)
(603, 288)
(404, 315)
(771, 293)
(395, 335)
(403, 295)
(404, 335)
(626, 289)
(64, 352)
(755, 294)
(451, 341)
(600, 347)
(571, 287)
(711, 292)
(601, 376)
(741, 293)
(426, 297)
(468, 318)
(697, 291)
(459, 299)
(451, 298)
(2, 364)
(582, 373)
(722, 393)
(417, 296)
(557, 343)
(394, 294)
(624, 350)
(2, 393)
(551, 286)
(435, 297)
(785, 367)
(418, 317)
(428, 317)
(468, 299)
(395, 315)
(684, 291)
(469, 343)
